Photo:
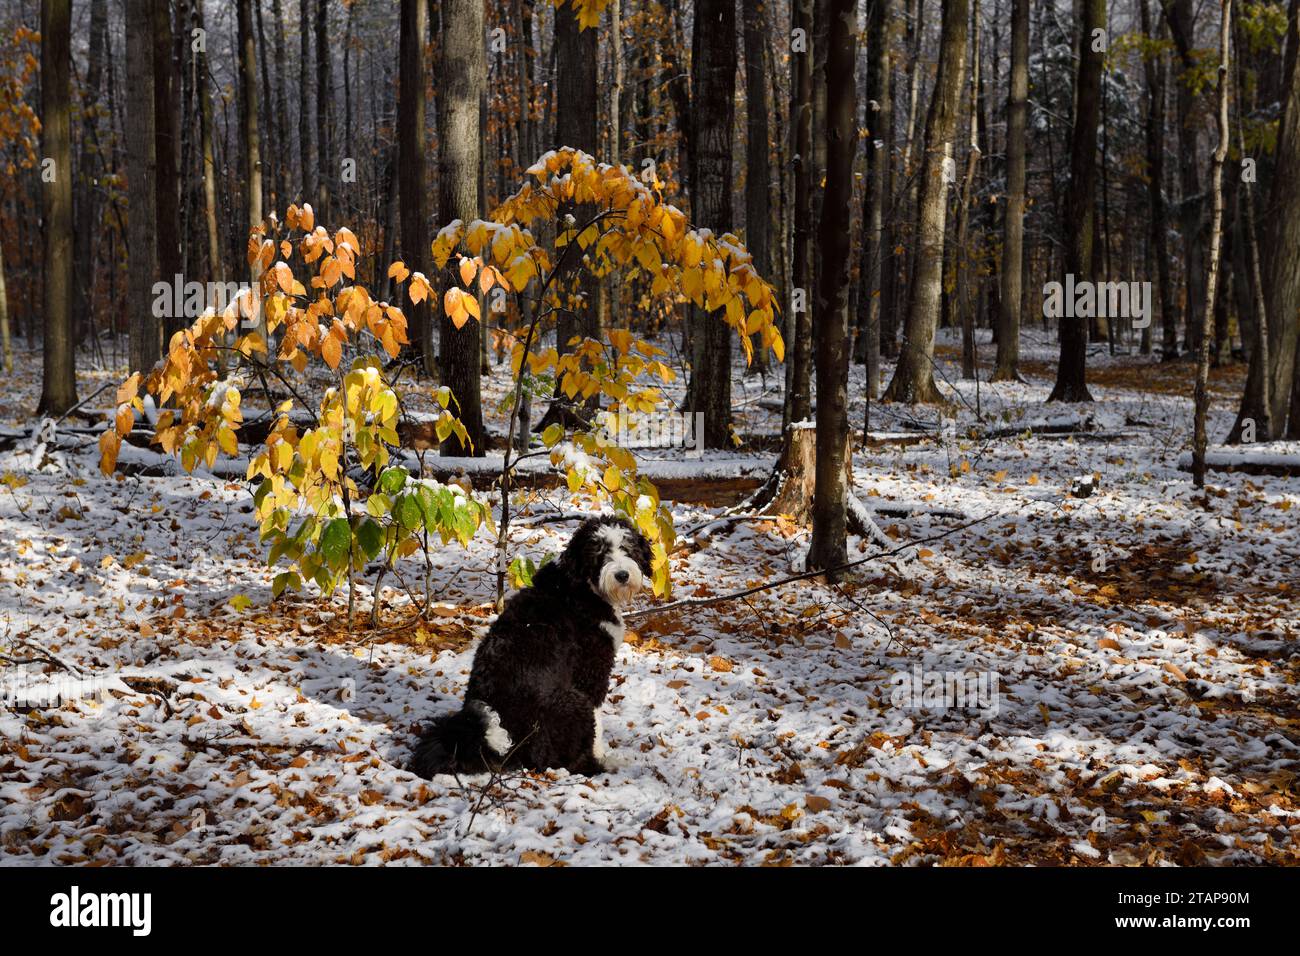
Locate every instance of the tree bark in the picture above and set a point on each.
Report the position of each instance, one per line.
(713, 91)
(6, 345)
(324, 117)
(1080, 206)
(1283, 246)
(165, 108)
(411, 180)
(913, 379)
(799, 373)
(463, 75)
(1155, 132)
(215, 267)
(1181, 17)
(966, 295)
(1202, 395)
(91, 165)
(306, 149)
(282, 151)
(874, 195)
(1013, 243)
(142, 182)
(827, 549)
(758, 172)
(59, 387)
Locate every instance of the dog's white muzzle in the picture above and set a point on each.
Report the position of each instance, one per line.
(620, 579)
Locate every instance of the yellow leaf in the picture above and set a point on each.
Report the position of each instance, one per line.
(467, 270)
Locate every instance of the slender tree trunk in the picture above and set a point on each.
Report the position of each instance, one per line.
(874, 195)
(1181, 17)
(282, 151)
(713, 92)
(799, 374)
(966, 296)
(1008, 355)
(1256, 411)
(215, 267)
(463, 75)
(1202, 394)
(6, 346)
(265, 106)
(168, 189)
(1283, 247)
(92, 164)
(59, 386)
(914, 376)
(329, 170)
(142, 183)
(827, 549)
(306, 149)
(1071, 371)
(1155, 147)
(411, 180)
(252, 147)
(758, 181)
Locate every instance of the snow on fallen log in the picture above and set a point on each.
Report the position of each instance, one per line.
(1260, 458)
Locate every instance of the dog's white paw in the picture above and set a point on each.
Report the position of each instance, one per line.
(612, 761)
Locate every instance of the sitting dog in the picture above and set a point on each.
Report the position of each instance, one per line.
(541, 674)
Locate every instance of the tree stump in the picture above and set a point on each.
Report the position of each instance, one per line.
(790, 489)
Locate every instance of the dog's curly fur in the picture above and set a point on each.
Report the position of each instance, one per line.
(541, 674)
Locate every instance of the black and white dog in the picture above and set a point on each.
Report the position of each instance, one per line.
(541, 674)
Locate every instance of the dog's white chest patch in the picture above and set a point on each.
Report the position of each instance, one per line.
(616, 630)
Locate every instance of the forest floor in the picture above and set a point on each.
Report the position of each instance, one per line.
(1137, 650)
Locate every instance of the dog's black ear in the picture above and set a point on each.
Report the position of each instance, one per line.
(639, 549)
(580, 557)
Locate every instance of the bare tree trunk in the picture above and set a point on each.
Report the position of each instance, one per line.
(411, 181)
(879, 121)
(142, 182)
(1202, 395)
(798, 380)
(1071, 371)
(1008, 355)
(914, 376)
(463, 75)
(324, 119)
(168, 189)
(6, 346)
(713, 91)
(1283, 255)
(965, 294)
(306, 150)
(282, 151)
(758, 172)
(1181, 17)
(1155, 132)
(827, 549)
(215, 266)
(91, 165)
(252, 146)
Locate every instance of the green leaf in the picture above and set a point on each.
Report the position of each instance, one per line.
(428, 506)
(335, 541)
(370, 537)
(392, 480)
(407, 512)
(282, 580)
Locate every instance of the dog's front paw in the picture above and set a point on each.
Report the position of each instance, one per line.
(613, 762)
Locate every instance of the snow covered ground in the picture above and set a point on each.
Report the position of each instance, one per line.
(1128, 662)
